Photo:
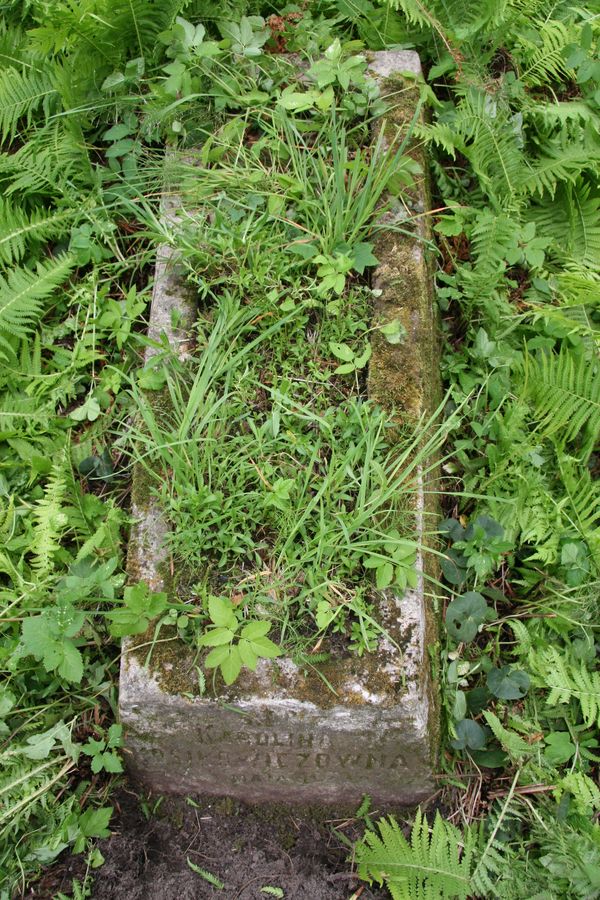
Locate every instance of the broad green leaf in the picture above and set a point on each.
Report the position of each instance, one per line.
(247, 654)
(465, 615)
(232, 664)
(507, 683)
(303, 249)
(394, 331)
(113, 81)
(221, 613)
(216, 656)
(255, 629)
(264, 646)
(384, 575)
(341, 351)
(469, 734)
(214, 637)
(559, 748)
(297, 101)
(94, 822)
(71, 666)
(362, 256)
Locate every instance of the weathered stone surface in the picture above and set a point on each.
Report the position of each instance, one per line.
(288, 733)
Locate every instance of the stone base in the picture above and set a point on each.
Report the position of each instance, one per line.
(275, 746)
(291, 733)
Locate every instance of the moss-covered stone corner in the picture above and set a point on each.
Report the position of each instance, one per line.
(168, 659)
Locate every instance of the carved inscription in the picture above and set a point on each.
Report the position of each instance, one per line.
(250, 756)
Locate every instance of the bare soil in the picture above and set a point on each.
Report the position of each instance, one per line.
(246, 848)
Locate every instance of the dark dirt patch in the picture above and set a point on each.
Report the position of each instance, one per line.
(247, 848)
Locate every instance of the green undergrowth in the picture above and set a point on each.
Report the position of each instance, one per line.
(90, 94)
(513, 139)
(287, 490)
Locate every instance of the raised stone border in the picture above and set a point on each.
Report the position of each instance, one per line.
(280, 734)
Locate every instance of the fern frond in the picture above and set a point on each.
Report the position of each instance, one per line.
(22, 94)
(138, 22)
(436, 864)
(50, 521)
(566, 681)
(12, 43)
(585, 792)
(452, 18)
(542, 57)
(512, 742)
(50, 163)
(560, 160)
(491, 240)
(17, 228)
(572, 219)
(490, 143)
(22, 294)
(577, 285)
(563, 112)
(565, 392)
(583, 497)
(18, 414)
(7, 520)
(522, 636)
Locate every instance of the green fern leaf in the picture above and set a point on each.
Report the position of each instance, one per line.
(572, 219)
(566, 681)
(583, 508)
(138, 22)
(22, 294)
(50, 521)
(491, 240)
(586, 793)
(542, 58)
(17, 228)
(513, 743)
(565, 392)
(436, 864)
(490, 143)
(7, 520)
(560, 160)
(52, 162)
(22, 94)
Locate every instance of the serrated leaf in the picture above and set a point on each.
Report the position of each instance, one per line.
(94, 822)
(247, 654)
(71, 666)
(264, 646)
(362, 256)
(384, 575)
(221, 613)
(232, 665)
(112, 763)
(216, 656)
(215, 637)
(255, 629)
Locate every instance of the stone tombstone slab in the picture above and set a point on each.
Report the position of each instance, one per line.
(287, 733)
